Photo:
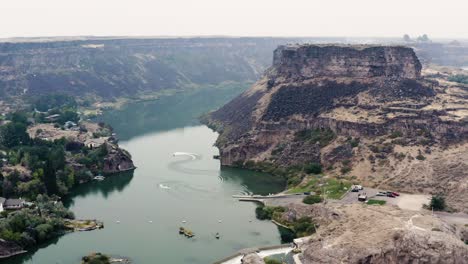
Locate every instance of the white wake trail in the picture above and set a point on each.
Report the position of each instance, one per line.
(192, 155)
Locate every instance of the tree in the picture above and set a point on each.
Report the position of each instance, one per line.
(438, 203)
(50, 179)
(13, 134)
(312, 199)
(313, 168)
(406, 38)
(423, 38)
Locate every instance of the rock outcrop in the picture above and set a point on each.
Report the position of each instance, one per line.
(252, 258)
(360, 105)
(383, 234)
(9, 249)
(117, 160)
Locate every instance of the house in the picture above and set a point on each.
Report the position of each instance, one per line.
(53, 117)
(11, 204)
(95, 142)
(70, 125)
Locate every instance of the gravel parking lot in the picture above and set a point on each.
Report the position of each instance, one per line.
(412, 202)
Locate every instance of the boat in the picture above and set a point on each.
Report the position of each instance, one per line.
(99, 178)
(181, 230)
(217, 236)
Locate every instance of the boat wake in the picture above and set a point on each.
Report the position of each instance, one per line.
(194, 156)
(162, 186)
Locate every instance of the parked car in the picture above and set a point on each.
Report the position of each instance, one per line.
(360, 187)
(391, 195)
(307, 193)
(381, 194)
(395, 193)
(362, 197)
(354, 188)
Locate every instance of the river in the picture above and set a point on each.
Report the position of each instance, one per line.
(142, 211)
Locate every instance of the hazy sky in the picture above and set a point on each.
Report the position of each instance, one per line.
(445, 18)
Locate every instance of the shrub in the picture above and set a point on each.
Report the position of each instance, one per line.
(313, 168)
(396, 134)
(345, 169)
(354, 142)
(420, 156)
(377, 202)
(438, 203)
(312, 199)
(321, 136)
(303, 226)
(267, 212)
(269, 260)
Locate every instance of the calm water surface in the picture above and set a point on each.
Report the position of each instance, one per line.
(164, 190)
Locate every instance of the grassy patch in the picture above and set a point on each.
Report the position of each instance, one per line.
(332, 188)
(377, 202)
(308, 187)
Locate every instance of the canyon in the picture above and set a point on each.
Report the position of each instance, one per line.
(368, 113)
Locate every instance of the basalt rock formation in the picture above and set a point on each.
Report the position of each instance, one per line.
(117, 160)
(368, 107)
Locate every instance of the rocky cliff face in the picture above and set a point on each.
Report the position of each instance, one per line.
(367, 107)
(313, 61)
(117, 160)
(110, 68)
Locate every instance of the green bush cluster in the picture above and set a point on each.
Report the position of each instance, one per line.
(438, 203)
(269, 260)
(46, 160)
(31, 226)
(312, 199)
(459, 78)
(268, 212)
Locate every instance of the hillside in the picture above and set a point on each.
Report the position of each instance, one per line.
(364, 113)
(109, 68)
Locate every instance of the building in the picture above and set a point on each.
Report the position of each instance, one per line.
(11, 204)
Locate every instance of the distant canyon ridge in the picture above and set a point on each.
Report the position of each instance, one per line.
(107, 68)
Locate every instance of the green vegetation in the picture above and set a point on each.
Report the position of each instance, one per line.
(353, 142)
(459, 78)
(437, 203)
(303, 226)
(31, 226)
(48, 102)
(313, 168)
(396, 134)
(420, 156)
(269, 260)
(329, 187)
(96, 258)
(268, 212)
(376, 202)
(46, 166)
(312, 199)
(321, 136)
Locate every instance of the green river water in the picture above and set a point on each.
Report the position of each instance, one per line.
(143, 210)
